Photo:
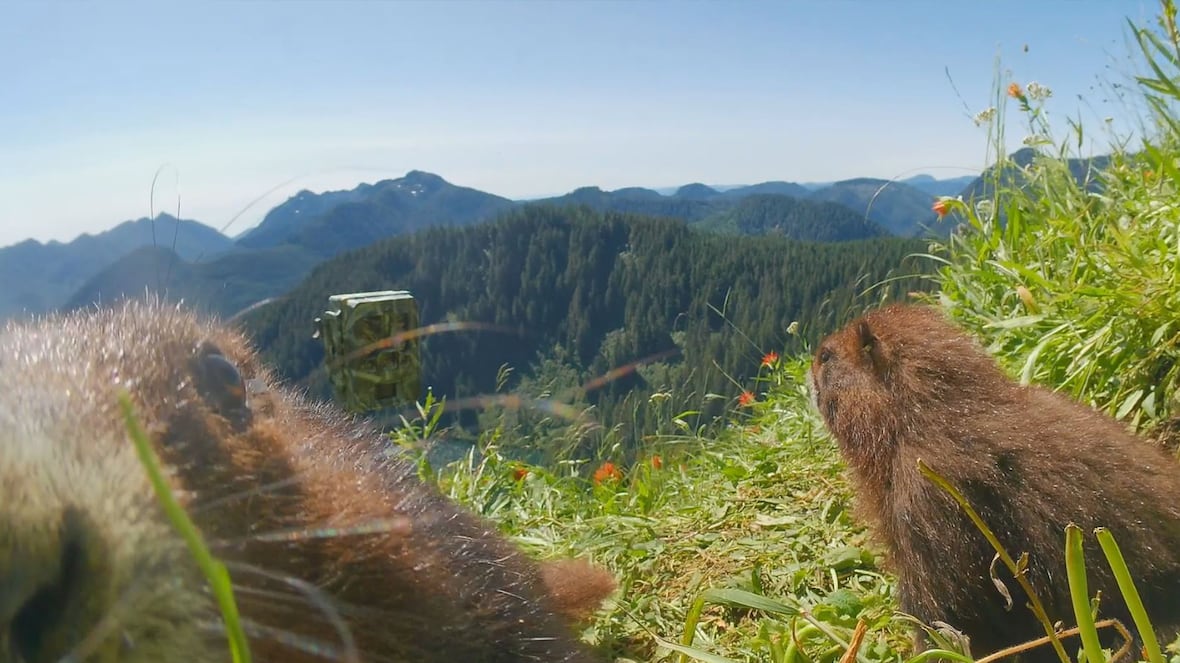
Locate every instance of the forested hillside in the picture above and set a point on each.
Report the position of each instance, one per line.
(774, 214)
(590, 291)
(638, 200)
(770, 208)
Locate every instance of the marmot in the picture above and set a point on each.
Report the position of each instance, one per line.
(332, 543)
(902, 383)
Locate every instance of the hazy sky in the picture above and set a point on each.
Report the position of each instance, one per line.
(522, 99)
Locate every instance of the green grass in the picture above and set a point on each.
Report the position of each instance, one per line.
(724, 547)
(740, 547)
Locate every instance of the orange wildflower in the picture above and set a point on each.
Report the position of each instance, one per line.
(770, 358)
(519, 473)
(657, 463)
(1014, 91)
(607, 472)
(940, 208)
(745, 399)
(1026, 296)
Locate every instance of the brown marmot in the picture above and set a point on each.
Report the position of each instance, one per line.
(903, 383)
(333, 545)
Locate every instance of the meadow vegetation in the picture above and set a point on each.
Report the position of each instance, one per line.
(740, 544)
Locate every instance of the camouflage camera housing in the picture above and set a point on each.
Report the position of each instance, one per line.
(373, 363)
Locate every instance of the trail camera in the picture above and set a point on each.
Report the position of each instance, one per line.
(371, 361)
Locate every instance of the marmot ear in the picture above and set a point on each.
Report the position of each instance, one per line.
(870, 348)
(220, 384)
(866, 339)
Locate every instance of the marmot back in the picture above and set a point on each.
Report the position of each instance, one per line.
(901, 384)
(332, 542)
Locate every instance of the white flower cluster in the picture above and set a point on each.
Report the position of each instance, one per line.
(1037, 92)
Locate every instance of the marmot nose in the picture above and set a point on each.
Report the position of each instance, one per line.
(46, 611)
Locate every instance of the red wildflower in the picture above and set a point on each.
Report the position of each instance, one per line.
(657, 462)
(519, 473)
(745, 399)
(1014, 91)
(770, 358)
(607, 472)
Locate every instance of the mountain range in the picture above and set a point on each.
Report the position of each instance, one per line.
(39, 278)
(189, 260)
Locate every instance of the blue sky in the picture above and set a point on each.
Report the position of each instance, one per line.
(522, 99)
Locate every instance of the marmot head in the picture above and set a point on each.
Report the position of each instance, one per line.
(894, 364)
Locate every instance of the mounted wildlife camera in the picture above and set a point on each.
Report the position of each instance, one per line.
(372, 362)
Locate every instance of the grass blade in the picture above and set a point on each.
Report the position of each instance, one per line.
(1122, 576)
(1037, 607)
(1075, 571)
(214, 570)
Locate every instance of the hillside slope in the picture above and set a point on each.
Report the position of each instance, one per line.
(899, 208)
(222, 286)
(39, 278)
(786, 216)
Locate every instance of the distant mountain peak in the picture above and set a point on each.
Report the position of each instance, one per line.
(696, 191)
(421, 181)
(863, 180)
(638, 192)
(1024, 156)
(950, 186)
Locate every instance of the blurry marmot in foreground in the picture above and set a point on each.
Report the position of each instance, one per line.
(326, 537)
